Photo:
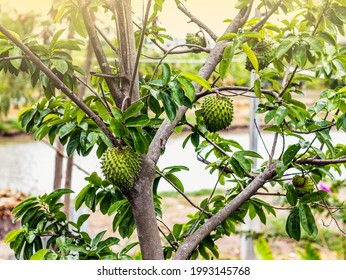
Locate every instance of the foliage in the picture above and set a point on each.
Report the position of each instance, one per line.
(120, 112)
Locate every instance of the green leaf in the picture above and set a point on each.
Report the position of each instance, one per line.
(227, 36)
(290, 153)
(314, 43)
(291, 194)
(176, 181)
(168, 104)
(313, 197)
(140, 142)
(262, 249)
(166, 74)
(177, 92)
(97, 239)
(81, 219)
(138, 121)
(110, 241)
(227, 57)
(12, 235)
(78, 24)
(116, 112)
(285, 46)
(281, 114)
(90, 197)
(60, 65)
(81, 197)
(188, 88)
(133, 110)
(15, 51)
(117, 128)
(293, 224)
(237, 168)
(128, 248)
(55, 38)
(307, 220)
(257, 88)
(248, 154)
(154, 105)
(197, 79)
(116, 206)
(327, 37)
(66, 129)
(243, 161)
(300, 55)
(27, 117)
(57, 194)
(39, 255)
(73, 143)
(251, 55)
(280, 168)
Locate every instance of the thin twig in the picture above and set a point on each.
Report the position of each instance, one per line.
(235, 88)
(182, 193)
(169, 52)
(105, 99)
(145, 22)
(273, 148)
(203, 26)
(175, 240)
(261, 23)
(64, 156)
(13, 57)
(328, 209)
(164, 235)
(260, 135)
(106, 39)
(95, 93)
(194, 225)
(209, 141)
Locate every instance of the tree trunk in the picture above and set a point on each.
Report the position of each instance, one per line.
(59, 159)
(127, 48)
(68, 185)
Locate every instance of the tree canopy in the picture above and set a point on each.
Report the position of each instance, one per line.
(128, 109)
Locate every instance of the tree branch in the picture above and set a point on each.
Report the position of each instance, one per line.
(235, 88)
(127, 50)
(321, 162)
(145, 22)
(191, 242)
(60, 85)
(203, 26)
(100, 55)
(183, 194)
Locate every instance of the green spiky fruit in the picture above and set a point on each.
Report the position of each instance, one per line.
(265, 53)
(303, 185)
(121, 166)
(195, 39)
(298, 181)
(217, 112)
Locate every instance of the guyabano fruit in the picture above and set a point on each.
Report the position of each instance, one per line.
(217, 112)
(195, 39)
(265, 53)
(298, 181)
(303, 185)
(120, 166)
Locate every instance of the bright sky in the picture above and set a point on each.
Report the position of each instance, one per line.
(173, 20)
